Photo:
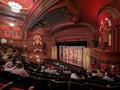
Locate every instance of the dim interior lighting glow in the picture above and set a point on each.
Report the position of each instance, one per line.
(106, 19)
(3, 40)
(11, 41)
(15, 7)
(12, 24)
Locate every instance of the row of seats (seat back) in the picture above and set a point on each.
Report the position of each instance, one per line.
(49, 84)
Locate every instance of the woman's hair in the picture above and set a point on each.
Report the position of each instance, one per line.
(19, 64)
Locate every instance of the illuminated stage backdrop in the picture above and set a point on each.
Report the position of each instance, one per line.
(71, 54)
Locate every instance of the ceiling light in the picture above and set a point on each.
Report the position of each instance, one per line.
(15, 7)
(12, 24)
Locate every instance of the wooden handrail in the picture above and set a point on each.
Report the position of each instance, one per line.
(31, 88)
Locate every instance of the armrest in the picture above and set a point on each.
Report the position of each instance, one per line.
(5, 85)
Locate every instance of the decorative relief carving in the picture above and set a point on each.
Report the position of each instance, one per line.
(9, 13)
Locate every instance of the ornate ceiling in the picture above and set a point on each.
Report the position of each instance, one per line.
(52, 13)
(7, 16)
(72, 10)
(26, 4)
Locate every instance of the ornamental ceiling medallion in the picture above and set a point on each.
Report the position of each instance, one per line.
(26, 4)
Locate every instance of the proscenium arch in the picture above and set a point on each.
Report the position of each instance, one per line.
(63, 25)
(88, 31)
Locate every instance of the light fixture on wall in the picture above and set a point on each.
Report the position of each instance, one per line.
(11, 31)
(15, 7)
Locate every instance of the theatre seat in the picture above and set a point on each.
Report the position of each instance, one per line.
(101, 87)
(79, 86)
(41, 84)
(58, 85)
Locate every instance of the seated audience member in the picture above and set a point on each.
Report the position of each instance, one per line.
(51, 70)
(9, 66)
(89, 73)
(19, 69)
(74, 76)
(80, 74)
(94, 76)
(107, 77)
(67, 71)
(42, 68)
(99, 74)
(47, 69)
(118, 75)
(4, 56)
(77, 75)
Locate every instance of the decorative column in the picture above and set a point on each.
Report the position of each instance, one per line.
(118, 37)
(113, 40)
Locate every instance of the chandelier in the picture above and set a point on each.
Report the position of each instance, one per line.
(15, 7)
